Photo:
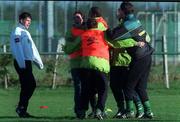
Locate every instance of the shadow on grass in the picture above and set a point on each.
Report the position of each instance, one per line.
(39, 118)
(8, 117)
(73, 119)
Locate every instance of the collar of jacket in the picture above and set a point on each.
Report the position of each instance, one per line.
(21, 26)
(129, 16)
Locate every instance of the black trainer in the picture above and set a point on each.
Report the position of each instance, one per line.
(92, 114)
(99, 114)
(140, 115)
(81, 114)
(120, 114)
(130, 114)
(148, 115)
(23, 114)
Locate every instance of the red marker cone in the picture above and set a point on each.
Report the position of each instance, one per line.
(43, 107)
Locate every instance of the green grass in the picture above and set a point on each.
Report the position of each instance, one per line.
(164, 102)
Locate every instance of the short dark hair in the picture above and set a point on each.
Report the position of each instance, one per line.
(91, 23)
(127, 8)
(95, 12)
(24, 15)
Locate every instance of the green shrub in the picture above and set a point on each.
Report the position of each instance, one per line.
(63, 77)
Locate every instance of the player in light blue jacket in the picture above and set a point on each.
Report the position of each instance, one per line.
(24, 52)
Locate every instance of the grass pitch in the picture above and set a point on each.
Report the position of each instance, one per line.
(165, 105)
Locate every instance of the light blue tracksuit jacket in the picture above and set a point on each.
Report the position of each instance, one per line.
(23, 47)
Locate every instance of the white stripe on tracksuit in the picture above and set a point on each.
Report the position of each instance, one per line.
(23, 47)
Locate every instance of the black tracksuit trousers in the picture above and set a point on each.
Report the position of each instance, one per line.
(92, 82)
(75, 73)
(28, 83)
(118, 80)
(118, 76)
(137, 78)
